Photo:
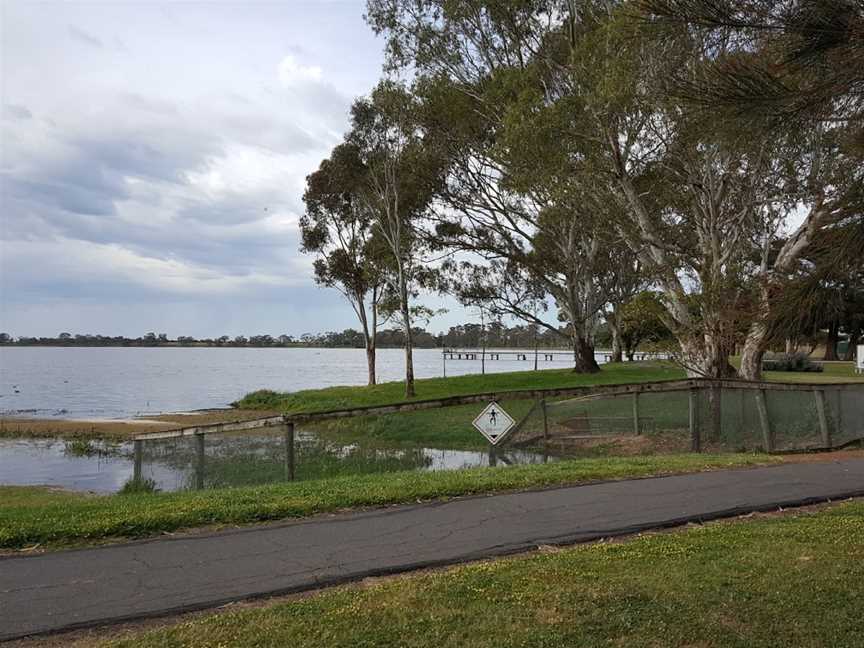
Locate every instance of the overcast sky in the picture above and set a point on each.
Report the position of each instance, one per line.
(153, 162)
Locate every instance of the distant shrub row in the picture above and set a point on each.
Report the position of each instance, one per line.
(790, 362)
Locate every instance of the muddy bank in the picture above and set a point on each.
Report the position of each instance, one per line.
(120, 429)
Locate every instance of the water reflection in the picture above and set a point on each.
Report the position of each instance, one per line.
(222, 460)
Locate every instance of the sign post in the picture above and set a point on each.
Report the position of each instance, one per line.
(494, 423)
(859, 359)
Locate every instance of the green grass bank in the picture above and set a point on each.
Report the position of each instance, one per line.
(49, 518)
(315, 400)
(772, 582)
(450, 427)
(343, 397)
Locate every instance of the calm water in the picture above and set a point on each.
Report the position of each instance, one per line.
(229, 460)
(123, 382)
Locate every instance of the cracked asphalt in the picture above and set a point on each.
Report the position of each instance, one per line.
(86, 587)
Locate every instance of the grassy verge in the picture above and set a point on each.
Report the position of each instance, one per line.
(451, 427)
(32, 497)
(448, 427)
(832, 372)
(782, 581)
(115, 430)
(313, 400)
(87, 519)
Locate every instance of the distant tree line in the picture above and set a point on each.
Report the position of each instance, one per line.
(494, 334)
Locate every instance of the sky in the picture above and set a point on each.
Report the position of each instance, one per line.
(153, 157)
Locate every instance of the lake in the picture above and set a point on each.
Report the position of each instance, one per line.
(247, 459)
(107, 382)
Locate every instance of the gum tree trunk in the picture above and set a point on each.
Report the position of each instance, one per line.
(617, 351)
(706, 357)
(756, 342)
(409, 336)
(583, 355)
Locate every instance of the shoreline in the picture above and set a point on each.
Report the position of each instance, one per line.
(117, 429)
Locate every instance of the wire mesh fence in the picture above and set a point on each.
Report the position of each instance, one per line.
(706, 416)
(315, 450)
(268, 455)
(650, 418)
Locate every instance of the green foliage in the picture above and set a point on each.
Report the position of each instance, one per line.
(641, 322)
(135, 486)
(790, 362)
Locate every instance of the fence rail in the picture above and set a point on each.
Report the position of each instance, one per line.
(721, 415)
(700, 413)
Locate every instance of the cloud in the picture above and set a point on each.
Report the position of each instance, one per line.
(291, 72)
(173, 167)
(83, 37)
(11, 111)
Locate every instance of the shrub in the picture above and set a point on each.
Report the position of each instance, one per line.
(134, 486)
(790, 362)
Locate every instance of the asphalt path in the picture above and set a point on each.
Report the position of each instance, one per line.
(78, 588)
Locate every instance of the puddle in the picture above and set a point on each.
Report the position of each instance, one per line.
(228, 460)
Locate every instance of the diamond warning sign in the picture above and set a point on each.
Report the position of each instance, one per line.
(494, 423)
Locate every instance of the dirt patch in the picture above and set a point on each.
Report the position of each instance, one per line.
(119, 429)
(625, 445)
(815, 457)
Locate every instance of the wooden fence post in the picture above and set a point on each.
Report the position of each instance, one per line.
(764, 421)
(716, 395)
(636, 429)
(819, 395)
(695, 441)
(545, 423)
(289, 451)
(139, 457)
(199, 464)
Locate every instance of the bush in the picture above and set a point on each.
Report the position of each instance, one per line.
(134, 486)
(790, 362)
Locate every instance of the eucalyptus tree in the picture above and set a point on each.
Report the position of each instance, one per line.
(506, 202)
(792, 62)
(624, 282)
(518, 276)
(400, 174)
(696, 198)
(797, 70)
(641, 321)
(337, 228)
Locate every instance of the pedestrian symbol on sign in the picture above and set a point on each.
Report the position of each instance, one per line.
(494, 423)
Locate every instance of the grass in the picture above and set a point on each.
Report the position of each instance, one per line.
(769, 582)
(86, 519)
(314, 400)
(450, 427)
(832, 372)
(34, 497)
(446, 428)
